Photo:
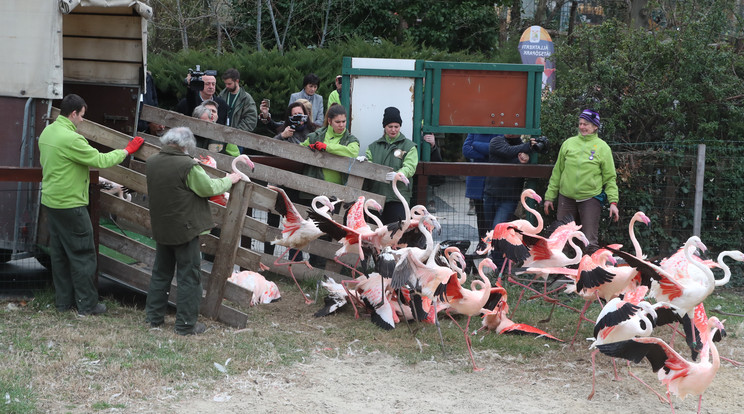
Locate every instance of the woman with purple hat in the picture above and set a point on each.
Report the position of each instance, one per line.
(584, 178)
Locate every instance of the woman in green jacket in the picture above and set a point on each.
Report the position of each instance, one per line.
(335, 139)
(583, 177)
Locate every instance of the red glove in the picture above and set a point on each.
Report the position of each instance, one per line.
(318, 146)
(134, 145)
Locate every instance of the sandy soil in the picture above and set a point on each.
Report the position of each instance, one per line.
(376, 383)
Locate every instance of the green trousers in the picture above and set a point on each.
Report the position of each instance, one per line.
(184, 260)
(73, 255)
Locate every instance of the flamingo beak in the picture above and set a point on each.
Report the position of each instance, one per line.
(537, 198)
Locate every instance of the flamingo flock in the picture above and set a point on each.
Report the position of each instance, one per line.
(413, 279)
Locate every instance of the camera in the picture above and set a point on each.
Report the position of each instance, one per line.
(541, 145)
(196, 82)
(298, 119)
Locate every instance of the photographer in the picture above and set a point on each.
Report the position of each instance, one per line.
(501, 194)
(296, 127)
(202, 87)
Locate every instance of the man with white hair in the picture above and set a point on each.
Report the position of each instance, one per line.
(178, 189)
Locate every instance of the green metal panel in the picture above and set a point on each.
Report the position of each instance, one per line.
(424, 147)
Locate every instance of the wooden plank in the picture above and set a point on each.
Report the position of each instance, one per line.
(128, 246)
(244, 258)
(126, 177)
(115, 73)
(125, 209)
(291, 180)
(224, 261)
(91, 48)
(122, 27)
(139, 280)
(301, 272)
(110, 137)
(87, 10)
(266, 144)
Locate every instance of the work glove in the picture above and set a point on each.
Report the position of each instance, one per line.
(389, 176)
(134, 145)
(361, 158)
(318, 146)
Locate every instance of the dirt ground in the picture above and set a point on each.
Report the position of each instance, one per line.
(376, 383)
(354, 381)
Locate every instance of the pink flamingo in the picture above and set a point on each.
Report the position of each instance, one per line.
(245, 160)
(469, 302)
(264, 291)
(680, 376)
(507, 236)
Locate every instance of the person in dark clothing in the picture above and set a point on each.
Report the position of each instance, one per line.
(195, 98)
(178, 188)
(501, 194)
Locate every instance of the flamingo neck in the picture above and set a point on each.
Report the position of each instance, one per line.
(406, 208)
(633, 239)
(724, 266)
(709, 280)
(534, 212)
(374, 218)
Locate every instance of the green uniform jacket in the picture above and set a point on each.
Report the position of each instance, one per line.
(177, 212)
(65, 160)
(583, 169)
(346, 146)
(401, 155)
(244, 114)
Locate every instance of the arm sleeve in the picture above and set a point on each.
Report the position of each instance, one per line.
(204, 186)
(81, 152)
(609, 178)
(555, 177)
(436, 154)
(350, 150)
(250, 117)
(368, 154)
(500, 148)
(410, 163)
(319, 114)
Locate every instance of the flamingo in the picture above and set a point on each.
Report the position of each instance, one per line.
(638, 216)
(469, 302)
(505, 236)
(297, 233)
(349, 237)
(264, 291)
(677, 288)
(681, 377)
(220, 199)
(496, 320)
(375, 294)
(337, 296)
(388, 235)
(621, 320)
(245, 160)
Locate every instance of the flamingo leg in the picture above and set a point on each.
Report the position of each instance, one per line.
(550, 300)
(700, 403)
(594, 375)
(439, 327)
(348, 294)
(521, 294)
(669, 398)
(550, 315)
(292, 260)
(614, 367)
(581, 318)
(662, 399)
(467, 339)
(308, 301)
(353, 269)
(732, 362)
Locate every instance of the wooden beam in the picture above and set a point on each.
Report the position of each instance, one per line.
(127, 246)
(266, 144)
(134, 180)
(229, 241)
(125, 209)
(123, 27)
(245, 258)
(93, 48)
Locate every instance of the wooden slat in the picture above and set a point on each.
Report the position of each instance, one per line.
(224, 261)
(125, 209)
(139, 280)
(121, 27)
(265, 144)
(127, 246)
(126, 11)
(280, 177)
(110, 137)
(134, 180)
(244, 258)
(115, 73)
(117, 50)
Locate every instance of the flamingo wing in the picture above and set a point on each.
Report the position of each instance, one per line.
(658, 353)
(592, 275)
(524, 329)
(508, 241)
(615, 317)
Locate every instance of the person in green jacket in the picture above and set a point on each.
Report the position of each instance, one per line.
(335, 139)
(394, 150)
(583, 178)
(65, 157)
(178, 189)
(335, 96)
(242, 113)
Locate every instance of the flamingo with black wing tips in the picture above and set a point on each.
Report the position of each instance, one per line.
(680, 376)
(375, 294)
(349, 237)
(297, 233)
(505, 238)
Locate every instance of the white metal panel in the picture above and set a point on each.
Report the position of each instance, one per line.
(370, 95)
(30, 42)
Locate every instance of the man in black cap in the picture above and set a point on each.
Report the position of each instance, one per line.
(398, 152)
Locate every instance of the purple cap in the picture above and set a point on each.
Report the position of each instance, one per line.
(590, 116)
